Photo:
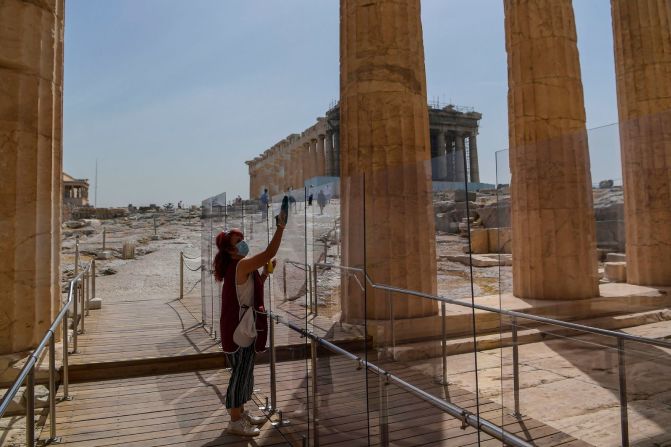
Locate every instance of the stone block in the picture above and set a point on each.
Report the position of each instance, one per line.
(479, 241)
(616, 271)
(500, 240)
(95, 304)
(616, 257)
(128, 251)
(443, 222)
(104, 254)
(461, 195)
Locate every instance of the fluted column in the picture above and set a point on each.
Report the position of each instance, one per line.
(473, 158)
(321, 161)
(328, 154)
(314, 158)
(336, 153)
(441, 161)
(552, 217)
(460, 153)
(385, 135)
(31, 83)
(642, 38)
(306, 162)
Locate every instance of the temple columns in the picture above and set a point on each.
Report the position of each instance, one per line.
(31, 76)
(554, 241)
(321, 162)
(473, 158)
(328, 154)
(460, 153)
(440, 163)
(642, 41)
(384, 121)
(314, 159)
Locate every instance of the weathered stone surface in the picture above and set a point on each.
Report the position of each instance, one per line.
(385, 135)
(552, 221)
(616, 257)
(642, 38)
(480, 241)
(95, 304)
(31, 57)
(461, 195)
(500, 240)
(616, 271)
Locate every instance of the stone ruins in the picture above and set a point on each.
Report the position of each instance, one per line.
(315, 152)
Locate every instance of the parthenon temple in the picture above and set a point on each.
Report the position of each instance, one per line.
(315, 152)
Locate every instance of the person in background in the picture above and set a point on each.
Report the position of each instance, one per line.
(321, 201)
(264, 201)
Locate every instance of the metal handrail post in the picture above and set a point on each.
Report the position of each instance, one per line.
(315, 408)
(516, 370)
(443, 342)
(30, 408)
(93, 278)
(181, 275)
(75, 319)
(384, 411)
(314, 289)
(64, 374)
(88, 289)
(284, 279)
(52, 388)
(82, 284)
(624, 417)
(273, 371)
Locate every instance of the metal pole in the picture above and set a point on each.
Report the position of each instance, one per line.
(624, 417)
(314, 289)
(65, 359)
(30, 408)
(443, 331)
(93, 278)
(88, 289)
(308, 283)
(75, 299)
(273, 372)
(82, 284)
(76, 255)
(384, 411)
(104, 237)
(516, 370)
(52, 387)
(315, 408)
(284, 279)
(181, 275)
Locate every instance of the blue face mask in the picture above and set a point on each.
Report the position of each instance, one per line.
(243, 248)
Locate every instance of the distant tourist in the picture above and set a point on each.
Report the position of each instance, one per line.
(321, 201)
(244, 323)
(264, 200)
(310, 200)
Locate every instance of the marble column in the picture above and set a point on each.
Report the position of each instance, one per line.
(314, 158)
(473, 158)
(441, 161)
(321, 161)
(328, 154)
(642, 40)
(336, 153)
(449, 158)
(306, 162)
(31, 76)
(554, 241)
(385, 135)
(459, 154)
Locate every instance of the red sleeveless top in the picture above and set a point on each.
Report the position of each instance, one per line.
(230, 310)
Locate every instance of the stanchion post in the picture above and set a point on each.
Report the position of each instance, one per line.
(75, 320)
(443, 342)
(181, 275)
(104, 238)
(384, 411)
(52, 389)
(66, 348)
(284, 279)
(30, 408)
(622, 372)
(516, 370)
(314, 289)
(93, 278)
(82, 284)
(315, 408)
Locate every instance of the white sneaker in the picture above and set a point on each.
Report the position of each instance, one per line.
(242, 428)
(254, 420)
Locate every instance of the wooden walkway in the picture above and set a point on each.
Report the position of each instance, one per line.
(187, 409)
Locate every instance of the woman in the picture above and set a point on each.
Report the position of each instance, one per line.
(242, 292)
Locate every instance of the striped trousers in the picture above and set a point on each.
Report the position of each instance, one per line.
(241, 383)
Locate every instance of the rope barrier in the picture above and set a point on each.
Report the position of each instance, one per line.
(194, 286)
(190, 258)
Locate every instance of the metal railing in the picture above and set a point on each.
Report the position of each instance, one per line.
(619, 337)
(80, 290)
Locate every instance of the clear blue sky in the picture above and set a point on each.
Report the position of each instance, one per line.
(172, 96)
